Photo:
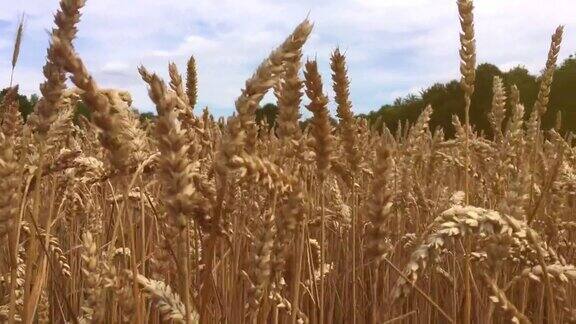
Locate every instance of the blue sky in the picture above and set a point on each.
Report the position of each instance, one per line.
(394, 47)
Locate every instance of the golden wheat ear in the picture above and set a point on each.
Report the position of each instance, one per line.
(348, 127)
(17, 44)
(321, 126)
(541, 104)
(192, 83)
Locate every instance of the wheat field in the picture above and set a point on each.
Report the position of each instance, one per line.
(188, 219)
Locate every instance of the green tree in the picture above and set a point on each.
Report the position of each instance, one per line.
(26, 104)
(147, 116)
(268, 112)
(447, 99)
(563, 97)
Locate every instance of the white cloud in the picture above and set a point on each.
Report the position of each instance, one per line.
(393, 47)
(4, 44)
(115, 67)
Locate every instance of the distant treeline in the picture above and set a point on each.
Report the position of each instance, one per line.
(26, 103)
(27, 106)
(447, 99)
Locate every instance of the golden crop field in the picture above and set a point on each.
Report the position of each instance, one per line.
(187, 219)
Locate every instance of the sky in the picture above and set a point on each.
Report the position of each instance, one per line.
(393, 47)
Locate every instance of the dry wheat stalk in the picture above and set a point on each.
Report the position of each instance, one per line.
(17, 44)
(11, 121)
(379, 209)
(167, 302)
(192, 83)
(341, 86)
(321, 128)
(457, 222)
(265, 77)
(260, 269)
(498, 112)
(9, 180)
(289, 94)
(181, 198)
(499, 297)
(65, 19)
(541, 104)
(92, 307)
(191, 204)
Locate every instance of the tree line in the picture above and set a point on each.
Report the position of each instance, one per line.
(447, 99)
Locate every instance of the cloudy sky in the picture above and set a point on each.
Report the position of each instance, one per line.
(394, 47)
